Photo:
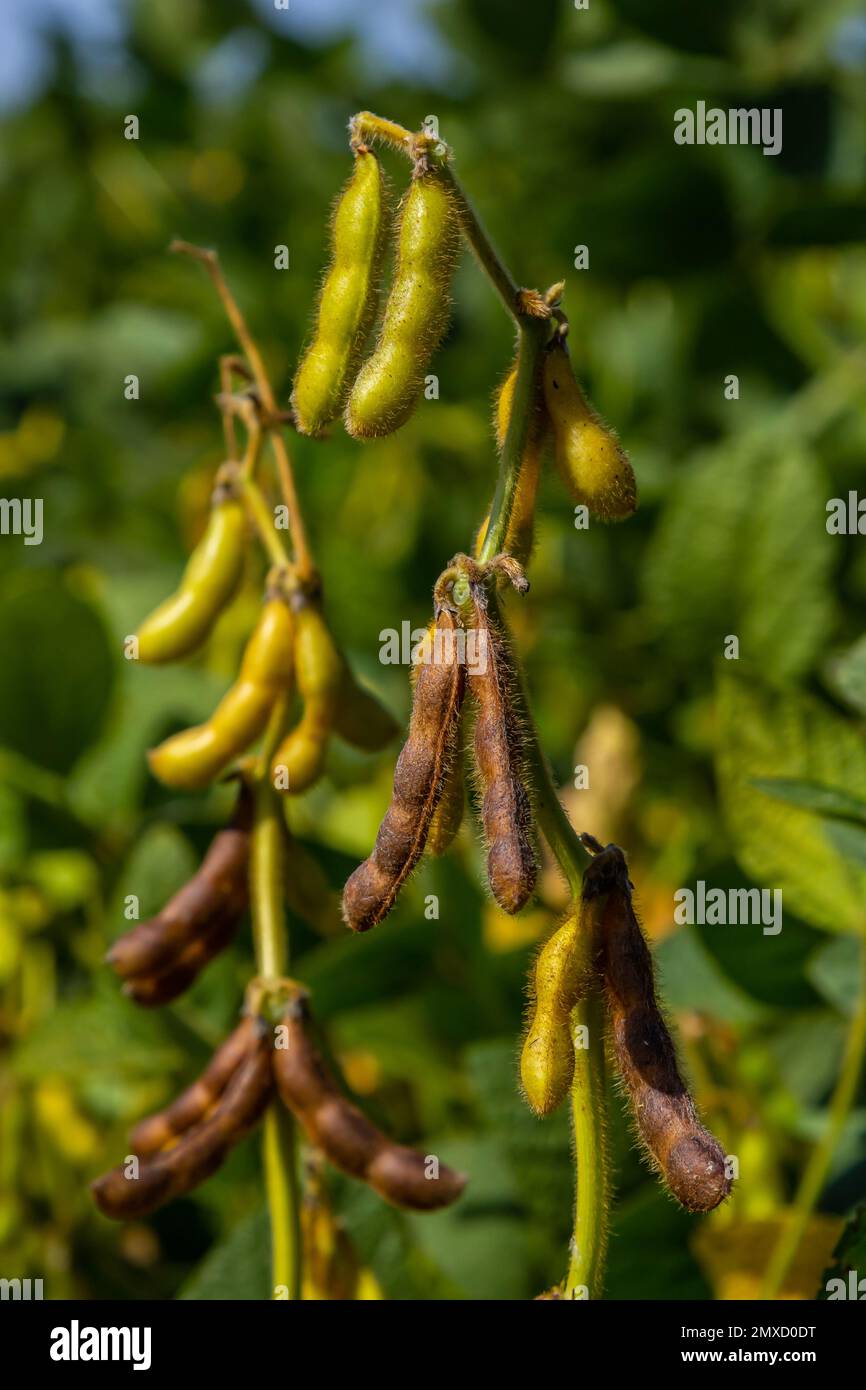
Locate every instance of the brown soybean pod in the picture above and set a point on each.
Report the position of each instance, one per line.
(344, 1134)
(691, 1161)
(419, 779)
(193, 1104)
(506, 812)
(199, 1152)
(153, 990)
(218, 889)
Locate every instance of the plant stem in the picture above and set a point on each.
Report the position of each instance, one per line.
(264, 522)
(588, 1109)
(475, 233)
(267, 866)
(815, 1172)
(210, 260)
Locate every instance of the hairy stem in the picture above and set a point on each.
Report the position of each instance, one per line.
(815, 1172)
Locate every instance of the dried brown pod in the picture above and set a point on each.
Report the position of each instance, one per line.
(506, 810)
(200, 1150)
(346, 1137)
(153, 990)
(419, 779)
(690, 1160)
(218, 891)
(192, 1105)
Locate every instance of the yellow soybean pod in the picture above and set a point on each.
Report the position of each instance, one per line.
(416, 313)
(520, 537)
(547, 1059)
(300, 758)
(197, 756)
(214, 569)
(348, 299)
(590, 458)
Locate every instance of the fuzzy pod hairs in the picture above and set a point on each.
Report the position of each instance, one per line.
(419, 780)
(690, 1160)
(506, 810)
(344, 1134)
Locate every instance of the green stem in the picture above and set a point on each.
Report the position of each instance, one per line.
(474, 232)
(267, 865)
(815, 1172)
(533, 333)
(264, 522)
(588, 1101)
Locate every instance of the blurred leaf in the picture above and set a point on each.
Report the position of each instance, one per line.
(56, 670)
(159, 864)
(385, 1241)
(807, 1052)
(741, 550)
(849, 1257)
(849, 840)
(651, 1223)
(689, 978)
(103, 1034)
(835, 972)
(812, 796)
(847, 676)
(238, 1267)
(766, 733)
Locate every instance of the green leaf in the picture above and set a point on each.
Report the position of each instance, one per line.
(238, 1267)
(768, 733)
(740, 551)
(813, 796)
(849, 840)
(689, 978)
(846, 675)
(160, 863)
(56, 670)
(835, 972)
(385, 1242)
(849, 1256)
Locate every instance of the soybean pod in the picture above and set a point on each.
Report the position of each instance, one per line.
(195, 757)
(213, 572)
(300, 758)
(415, 318)
(561, 977)
(346, 1137)
(591, 461)
(690, 1160)
(520, 536)
(347, 302)
(419, 780)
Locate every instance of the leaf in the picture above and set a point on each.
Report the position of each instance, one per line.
(835, 972)
(739, 551)
(849, 840)
(689, 978)
(846, 675)
(813, 796)
(160, 863)
(769, 733)
(239, 1267)
(56, 671)
(385, 1242)
(101, 1036)
(849, 1256)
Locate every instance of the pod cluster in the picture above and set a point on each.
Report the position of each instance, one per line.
(378, 394)
(178, 1148)
(184, 1145)
(603, 946)
(160, 958)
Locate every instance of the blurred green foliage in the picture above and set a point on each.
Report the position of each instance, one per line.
(704, 261)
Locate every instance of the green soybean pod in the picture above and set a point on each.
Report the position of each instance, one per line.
(212, 575)
(416, 313)
(348, 299)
